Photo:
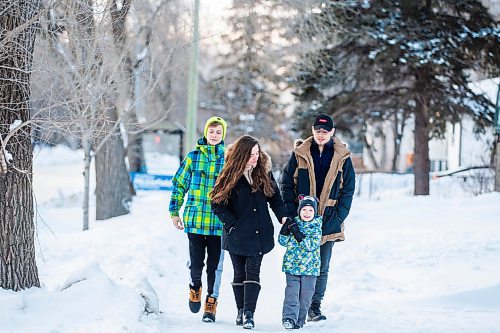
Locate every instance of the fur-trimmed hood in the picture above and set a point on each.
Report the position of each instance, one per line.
(298, 142)
(302, 147)
(266, 158)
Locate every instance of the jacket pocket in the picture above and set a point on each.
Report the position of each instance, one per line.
(327, 214)
(335, 191)
(330, 222)
(198, 179)
(191, 213)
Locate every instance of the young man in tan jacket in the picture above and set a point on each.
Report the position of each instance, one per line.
(321, 166)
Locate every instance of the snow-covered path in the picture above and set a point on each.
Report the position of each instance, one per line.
(426, 264)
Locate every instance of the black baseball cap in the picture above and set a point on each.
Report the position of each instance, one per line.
(323, 121)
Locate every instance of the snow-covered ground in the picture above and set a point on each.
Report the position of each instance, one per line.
(424, 264)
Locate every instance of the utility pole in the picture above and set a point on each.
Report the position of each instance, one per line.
(192, 102)
(497, 143)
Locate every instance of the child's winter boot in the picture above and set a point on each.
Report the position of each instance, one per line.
(288, 324)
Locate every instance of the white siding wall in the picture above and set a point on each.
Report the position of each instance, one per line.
(475, 150)
(453, 138)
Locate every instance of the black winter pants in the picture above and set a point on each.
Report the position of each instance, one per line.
(246, 268)
(246, 281)
(198, 244)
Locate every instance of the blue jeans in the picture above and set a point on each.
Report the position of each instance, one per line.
(218, 273)
(326, 255)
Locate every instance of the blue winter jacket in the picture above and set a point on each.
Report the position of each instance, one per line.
(303, 258)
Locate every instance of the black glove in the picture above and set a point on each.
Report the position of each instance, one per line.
(297, 234)
(285, 228)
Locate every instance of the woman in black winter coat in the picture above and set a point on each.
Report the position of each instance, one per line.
(240, 199)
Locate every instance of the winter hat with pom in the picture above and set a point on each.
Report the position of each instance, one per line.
(308, 200)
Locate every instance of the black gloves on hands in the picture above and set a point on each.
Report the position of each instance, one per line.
(291, 227)
(297, 234)
(285, 228)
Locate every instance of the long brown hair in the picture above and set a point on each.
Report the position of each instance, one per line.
(237, 156)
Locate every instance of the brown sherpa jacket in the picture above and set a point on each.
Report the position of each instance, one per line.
(336, 197)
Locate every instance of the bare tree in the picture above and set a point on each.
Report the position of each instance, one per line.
(83, 103)
(135, 153)
(18, 268)
(81, 83)
(113, 186)
(399, 121)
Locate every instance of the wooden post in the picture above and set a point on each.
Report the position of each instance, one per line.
(497, 164)
(192, 102)
(497, 143)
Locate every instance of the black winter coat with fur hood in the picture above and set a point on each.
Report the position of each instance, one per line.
(248, 228)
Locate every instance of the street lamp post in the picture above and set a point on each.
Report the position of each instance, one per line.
(497, 143)
(192, 102)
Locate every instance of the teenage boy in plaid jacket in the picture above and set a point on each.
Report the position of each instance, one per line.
(196, 176)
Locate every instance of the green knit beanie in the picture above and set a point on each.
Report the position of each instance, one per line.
(217, 120)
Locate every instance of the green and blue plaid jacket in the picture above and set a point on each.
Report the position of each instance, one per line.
(303, 258)
(196, 176)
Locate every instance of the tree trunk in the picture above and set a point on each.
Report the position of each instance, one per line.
(369, 149)
(395, 156)
(18, 268)
(134, 151)
(398, 136)
(422, 164)
(383, 155)
(87, 150)
(113, 186)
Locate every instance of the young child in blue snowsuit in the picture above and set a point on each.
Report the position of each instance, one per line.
(301, 262)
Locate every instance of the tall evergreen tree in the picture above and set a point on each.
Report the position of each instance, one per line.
(245, 92)
(387, 56)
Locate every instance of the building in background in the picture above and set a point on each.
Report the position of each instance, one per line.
(461, 147)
